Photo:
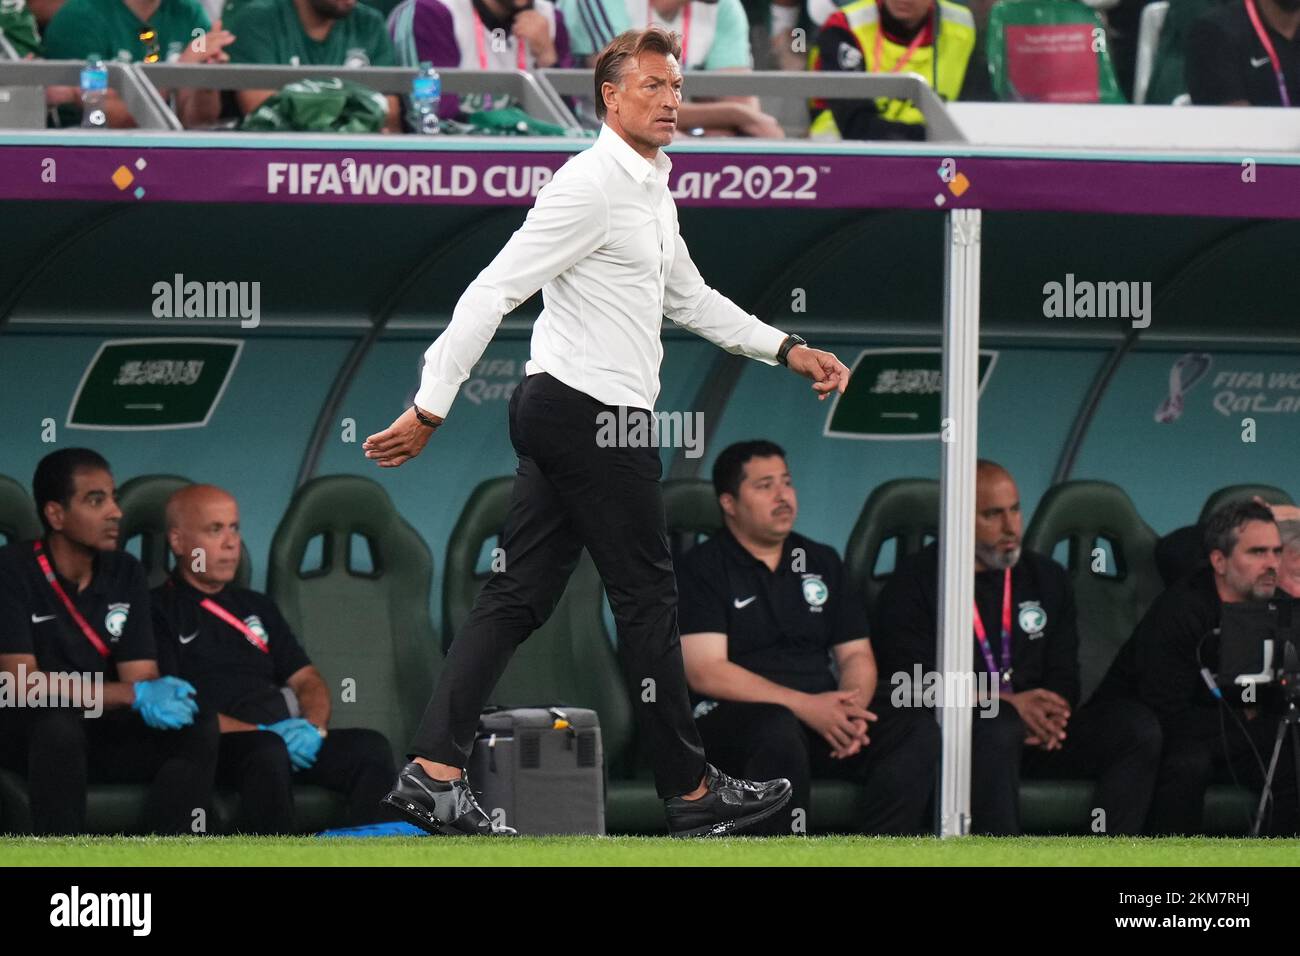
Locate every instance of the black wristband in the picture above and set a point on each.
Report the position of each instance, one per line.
(424, 419)
(791, 340)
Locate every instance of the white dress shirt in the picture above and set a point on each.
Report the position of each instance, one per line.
(603, 245)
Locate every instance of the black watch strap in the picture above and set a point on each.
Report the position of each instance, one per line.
(424, 419)
(791, 340)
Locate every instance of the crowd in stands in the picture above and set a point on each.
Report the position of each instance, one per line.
(205, 684)
(1214, 52)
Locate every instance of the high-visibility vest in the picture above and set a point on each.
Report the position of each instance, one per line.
(956, 40)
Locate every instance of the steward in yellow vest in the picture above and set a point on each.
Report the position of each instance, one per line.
(890, 36)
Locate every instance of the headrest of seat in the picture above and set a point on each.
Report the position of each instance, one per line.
(1274, 496)
(338, 507)
(18, 520)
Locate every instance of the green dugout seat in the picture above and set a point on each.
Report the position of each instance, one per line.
(18, 520)
(902, 515)
(352, 578)
(1049, 51)
(143, 501)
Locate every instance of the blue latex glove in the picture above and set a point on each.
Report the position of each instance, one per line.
(166, 703)
(300, 737)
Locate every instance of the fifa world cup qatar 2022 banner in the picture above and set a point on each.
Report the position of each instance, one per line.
(249, 168)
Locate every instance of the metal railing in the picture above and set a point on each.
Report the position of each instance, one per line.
(832, 86)
(541, 94)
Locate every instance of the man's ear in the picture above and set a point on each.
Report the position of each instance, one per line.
(54, 515)
(727, 502)
(1218, 561)
(174, 541)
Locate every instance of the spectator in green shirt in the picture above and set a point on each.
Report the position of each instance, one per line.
(310, 33)
(139, 31)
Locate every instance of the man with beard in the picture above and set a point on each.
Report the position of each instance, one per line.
(1026, 655)
(1169, 664)
(1245, 53)
(309, 33)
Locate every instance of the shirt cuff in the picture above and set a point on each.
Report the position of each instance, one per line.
(436, 397)
(764, 342)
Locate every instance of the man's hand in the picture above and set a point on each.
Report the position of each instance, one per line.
(1045, 715)
(838, 717)
(165, 703)
(1280, 512)
(209, 48)
(400, 441)
(531, 27)
(754, 122)
(301, 739)
(828, 373)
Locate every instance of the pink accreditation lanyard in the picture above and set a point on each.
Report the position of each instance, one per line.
(212, 607)
(686, 26)
(1268, 48)
(1004, 675)
(481, 43)
(68, 606)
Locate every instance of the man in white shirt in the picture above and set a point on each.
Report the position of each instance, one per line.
(602, 243)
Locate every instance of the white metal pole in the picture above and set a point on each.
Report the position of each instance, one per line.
(961, 336)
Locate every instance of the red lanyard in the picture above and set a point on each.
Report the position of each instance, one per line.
(1005, 673)
(1268, 48)
(686, 26)
(71, 608)
(911, 47)
(212, 607)
(481, 43)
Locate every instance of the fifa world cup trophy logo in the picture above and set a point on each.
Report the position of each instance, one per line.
(1183, 376)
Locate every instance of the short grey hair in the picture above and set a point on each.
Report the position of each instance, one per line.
(1290, 532)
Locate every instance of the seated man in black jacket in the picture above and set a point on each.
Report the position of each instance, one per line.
(762, 610)
(1169, 664)
(237, 649)
(1027, 652)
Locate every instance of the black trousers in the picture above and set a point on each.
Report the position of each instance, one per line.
(1190, 764)
(1115, 742)
(570, 493)
(352, 761)
(764, 741)
(60, 752)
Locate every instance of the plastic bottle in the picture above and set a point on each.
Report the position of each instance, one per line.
(426, 94)
(94, 92)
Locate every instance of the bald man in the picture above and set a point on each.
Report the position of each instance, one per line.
(1026, 651)
(273, 705)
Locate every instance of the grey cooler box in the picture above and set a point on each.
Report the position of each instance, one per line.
(541, 770)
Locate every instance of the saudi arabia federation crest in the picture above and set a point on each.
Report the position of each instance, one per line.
(115, 619)
(255, 625)
(815, 591)
(1032, 618)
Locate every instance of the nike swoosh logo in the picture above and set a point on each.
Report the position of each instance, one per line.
(1260, 62)
(186, 638)
(745, 603)
(37, 618)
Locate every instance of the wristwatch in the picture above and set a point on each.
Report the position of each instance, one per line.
(791, 340)
(424, 419)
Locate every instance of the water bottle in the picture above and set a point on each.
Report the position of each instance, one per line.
(94, 91)
(426, 93)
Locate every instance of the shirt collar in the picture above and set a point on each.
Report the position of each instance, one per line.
(188, 590)
(741, 554)
(637, 166)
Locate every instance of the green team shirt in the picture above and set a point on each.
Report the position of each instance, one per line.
(269, 31)
(109, 28)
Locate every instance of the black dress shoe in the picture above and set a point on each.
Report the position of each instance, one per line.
(441, 807)
(729, 806)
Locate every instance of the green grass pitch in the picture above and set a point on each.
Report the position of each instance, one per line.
(642, 851)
